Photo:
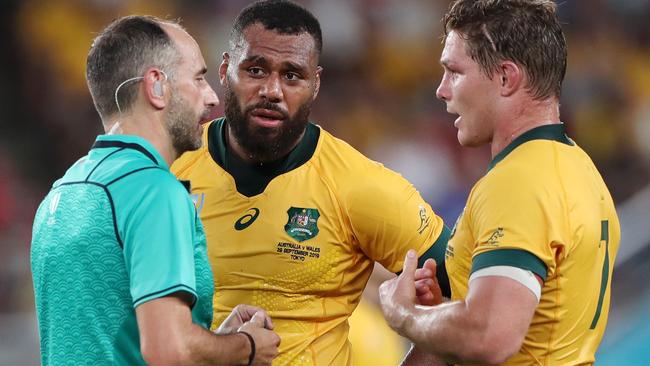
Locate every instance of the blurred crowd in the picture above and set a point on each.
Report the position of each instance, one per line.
(380, 61)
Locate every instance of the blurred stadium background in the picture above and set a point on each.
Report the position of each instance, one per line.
(378, 93)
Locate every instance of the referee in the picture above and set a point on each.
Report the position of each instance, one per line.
(118, 252)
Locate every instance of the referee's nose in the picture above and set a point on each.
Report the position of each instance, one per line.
(211, 99)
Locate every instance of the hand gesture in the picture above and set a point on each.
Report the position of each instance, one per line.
(265, 341)
(397, 296)
(427, 289)
(240, 315)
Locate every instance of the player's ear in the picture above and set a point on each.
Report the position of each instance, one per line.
(223, 68)
(319, 70)
(511, 78)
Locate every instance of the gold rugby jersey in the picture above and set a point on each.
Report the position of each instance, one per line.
(544, 207)
(303, 246)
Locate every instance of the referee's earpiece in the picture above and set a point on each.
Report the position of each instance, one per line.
(157, 88)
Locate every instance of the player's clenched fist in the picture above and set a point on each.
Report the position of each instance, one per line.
(264, 342)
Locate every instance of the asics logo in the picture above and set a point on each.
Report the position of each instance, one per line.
(246, 220)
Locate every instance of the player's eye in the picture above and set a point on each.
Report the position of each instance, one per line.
(255, 71)
(292, 76)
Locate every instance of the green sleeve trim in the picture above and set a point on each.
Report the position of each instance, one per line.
(437, 252)
(438, 249)
(510, 257)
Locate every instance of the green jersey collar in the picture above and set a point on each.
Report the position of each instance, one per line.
(131, 142)
(252, 180)
(554, 132)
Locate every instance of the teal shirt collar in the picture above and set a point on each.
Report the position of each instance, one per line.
(132, 142)
(554, 132)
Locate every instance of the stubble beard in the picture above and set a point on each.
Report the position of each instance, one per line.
(181, 122)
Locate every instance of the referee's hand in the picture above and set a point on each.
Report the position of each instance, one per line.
(240, 315)
(265, 341)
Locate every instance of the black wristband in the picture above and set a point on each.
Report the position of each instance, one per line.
(252, 342)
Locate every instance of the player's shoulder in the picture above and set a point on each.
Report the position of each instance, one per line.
(353, 173)
(528, 172)
(338, 156)
(108, 166)
(533, 161)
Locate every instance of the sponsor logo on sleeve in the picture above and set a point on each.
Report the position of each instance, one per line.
(494, 238)
(425, 219)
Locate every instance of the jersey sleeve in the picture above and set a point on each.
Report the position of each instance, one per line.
(517, 221)
(157, 229)
(388, 217)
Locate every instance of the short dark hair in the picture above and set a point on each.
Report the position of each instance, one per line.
(527, 32)
(123, 50)
(282, 16)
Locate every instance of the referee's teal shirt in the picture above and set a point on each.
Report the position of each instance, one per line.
(116, 231)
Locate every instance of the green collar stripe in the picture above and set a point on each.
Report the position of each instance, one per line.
(510, 257)
(554, 132)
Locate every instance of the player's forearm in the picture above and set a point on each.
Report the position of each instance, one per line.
(450, 331)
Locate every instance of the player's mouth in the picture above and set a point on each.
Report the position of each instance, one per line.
(267, 118)
(457, 122)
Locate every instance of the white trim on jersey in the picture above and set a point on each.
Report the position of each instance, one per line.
(525, 277)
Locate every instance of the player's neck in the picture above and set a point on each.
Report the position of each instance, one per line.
(149, 128)
(524, 119)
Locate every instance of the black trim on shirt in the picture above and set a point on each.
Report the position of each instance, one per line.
(101, 161)
(180, 287)
(252, 180)
(125, 145)
(186, 184)
(108, 193)
(110, 201)
(131, 172)
(554, 132)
